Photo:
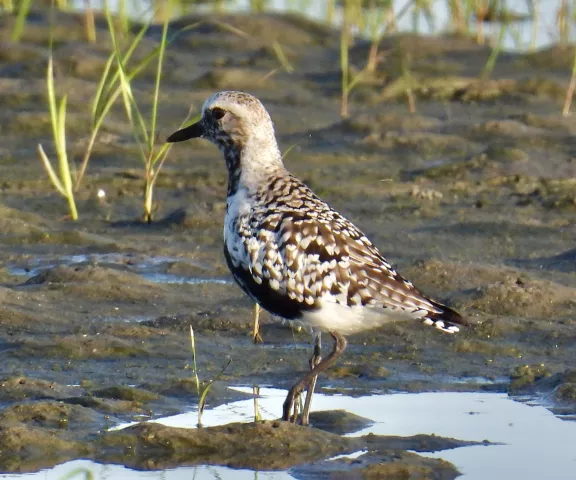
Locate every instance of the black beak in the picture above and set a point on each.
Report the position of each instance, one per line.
(193, 131)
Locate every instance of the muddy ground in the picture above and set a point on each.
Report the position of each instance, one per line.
(473, 197)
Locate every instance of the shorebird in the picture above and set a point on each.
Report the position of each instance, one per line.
(292, 253)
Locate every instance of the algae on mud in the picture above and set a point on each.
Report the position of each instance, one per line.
(472, 197)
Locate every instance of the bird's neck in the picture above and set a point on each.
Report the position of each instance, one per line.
(250, 164)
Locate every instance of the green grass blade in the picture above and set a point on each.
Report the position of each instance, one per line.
(112, 97)
(193, 348)
(126, 97)
(107, 93)
(110, 84)
(282, 59)
(58, 120)
(99, 95)
(51, 173)
(190, 120)
(163, 41)
(52, 97)
(230, 28)
(65, 175)
(8, 6)
(135, 42)
(60, 139)
(356, 80)
(491, 62)
(23, 10)
(141, 133)
(128, 54)
(88, 475)
(162, 154)
(206, 390)
(123, 17)
(287, 151)
(61, 147)
(202, 399)
(130, 104)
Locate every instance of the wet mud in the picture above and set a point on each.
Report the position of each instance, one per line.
(473, 197)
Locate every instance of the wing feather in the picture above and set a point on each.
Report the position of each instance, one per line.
(307, 252)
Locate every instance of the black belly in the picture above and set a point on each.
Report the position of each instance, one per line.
(271, 300)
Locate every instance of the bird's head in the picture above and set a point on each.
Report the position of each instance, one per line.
(230, 119)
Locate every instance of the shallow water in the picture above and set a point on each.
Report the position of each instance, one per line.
(526, 441)
(149, 267)
(143, 263)
(168, 278)
(520, 36)
(526, 432)
(103, 472)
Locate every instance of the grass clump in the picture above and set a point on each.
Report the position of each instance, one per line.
(62, 180)
(113, 82)
(108, 91)
(349, 79)
(144, 132)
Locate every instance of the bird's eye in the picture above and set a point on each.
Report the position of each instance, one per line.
(218, 113)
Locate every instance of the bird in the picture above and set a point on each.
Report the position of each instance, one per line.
(292, 253)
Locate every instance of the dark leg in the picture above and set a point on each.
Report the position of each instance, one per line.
(315, 360)
(300, 410)
(297, 389)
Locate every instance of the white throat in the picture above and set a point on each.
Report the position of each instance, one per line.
(259, 160)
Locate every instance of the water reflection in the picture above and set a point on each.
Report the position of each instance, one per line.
(529, 442)
(520, 35)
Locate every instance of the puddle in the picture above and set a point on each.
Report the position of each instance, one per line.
(88, 470)
(528, 441)
(179, 279)
(139, 262)
(150, 268)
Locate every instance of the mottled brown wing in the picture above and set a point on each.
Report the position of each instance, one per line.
(302, 251)
(329, 255)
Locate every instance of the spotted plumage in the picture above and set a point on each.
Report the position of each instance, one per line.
(295, 255)
(289, 250)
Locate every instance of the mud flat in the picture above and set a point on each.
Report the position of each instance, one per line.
(473, 197)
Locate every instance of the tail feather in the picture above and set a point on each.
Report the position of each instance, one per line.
(447, 320)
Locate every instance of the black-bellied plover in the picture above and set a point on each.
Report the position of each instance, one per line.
(291, 252)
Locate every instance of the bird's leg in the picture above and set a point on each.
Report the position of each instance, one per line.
(298, 406)
(339, 347)
(314, 360)
(256, 328)
(256, 394)
(294, 413)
